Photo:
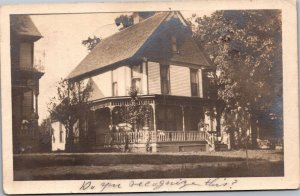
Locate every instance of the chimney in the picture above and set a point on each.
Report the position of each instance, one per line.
(136, 18)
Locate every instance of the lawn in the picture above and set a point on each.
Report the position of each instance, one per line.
(65, 166)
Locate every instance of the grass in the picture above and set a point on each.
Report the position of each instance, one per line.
(130, 166)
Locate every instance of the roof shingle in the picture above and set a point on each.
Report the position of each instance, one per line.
(22, 25)
(119, 46)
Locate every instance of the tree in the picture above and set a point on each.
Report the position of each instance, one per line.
(45, 135)
(90, 43)
(138, 114)
(246, 47)
(69, 106)
(125, 20)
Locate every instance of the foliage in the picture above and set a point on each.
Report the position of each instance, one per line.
(125, 20)
(246, 48)
(138, 114)
(69, 105)
(45, 135)
(90, 43)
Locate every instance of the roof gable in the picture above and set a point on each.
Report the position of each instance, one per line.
(119, 46)
(149, 38)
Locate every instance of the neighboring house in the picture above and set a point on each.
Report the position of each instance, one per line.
(159, 57)
(58, 136)
(25, 83)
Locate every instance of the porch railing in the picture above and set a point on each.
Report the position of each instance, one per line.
(160, 136)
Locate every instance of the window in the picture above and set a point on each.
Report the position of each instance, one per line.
(136, 77)
(194, 82)
(208, 84)
(174, 44)
(165, 79)
(60, 133)
(26, 54)
(115, 88)
(114, 83)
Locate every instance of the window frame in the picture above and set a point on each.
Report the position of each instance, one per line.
(115, 89)
(174, 44)
(165, 79)
(139, 77)
(193, 84)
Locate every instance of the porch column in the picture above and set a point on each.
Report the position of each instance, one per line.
(111, 115)
(154, 116)
(183, 123)
(154, 136)
(36, 104)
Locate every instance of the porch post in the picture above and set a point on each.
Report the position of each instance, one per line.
(111, 115)
(154, 116)
(154, 136)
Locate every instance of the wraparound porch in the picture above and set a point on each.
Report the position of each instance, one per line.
(172, 121)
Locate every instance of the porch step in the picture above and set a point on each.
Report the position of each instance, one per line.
(182, 146)
(221, 147)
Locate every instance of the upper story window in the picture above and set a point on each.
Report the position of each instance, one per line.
(174, 44)
(194, 82)
(26, 54)
(165, 79)
(136, 77)
(114, 83)
(209, 90)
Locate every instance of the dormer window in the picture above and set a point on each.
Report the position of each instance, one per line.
(174, 44)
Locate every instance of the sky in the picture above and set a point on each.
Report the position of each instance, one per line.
(60, 50)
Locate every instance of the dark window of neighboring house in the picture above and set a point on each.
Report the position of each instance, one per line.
(165, 79)
(60, 133)
(136, 77)
(194, 82)
(174, 44)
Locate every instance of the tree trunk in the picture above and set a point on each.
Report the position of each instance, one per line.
(254, 131)
(70, 140)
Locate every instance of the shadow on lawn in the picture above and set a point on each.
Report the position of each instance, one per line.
(139, 166)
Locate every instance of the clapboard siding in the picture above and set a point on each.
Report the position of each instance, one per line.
(104, 82)
(180, 81)
(154, 78)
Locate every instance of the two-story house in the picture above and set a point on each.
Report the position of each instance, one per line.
(158, 57)
(25, 83)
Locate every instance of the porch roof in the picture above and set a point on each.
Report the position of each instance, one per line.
(150, 99)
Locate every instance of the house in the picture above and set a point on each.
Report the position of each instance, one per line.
(158, 57)
(25, 76)
(58, 136)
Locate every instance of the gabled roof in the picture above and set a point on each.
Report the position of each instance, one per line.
(119, 46)
(143, 38)
(22, 25)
